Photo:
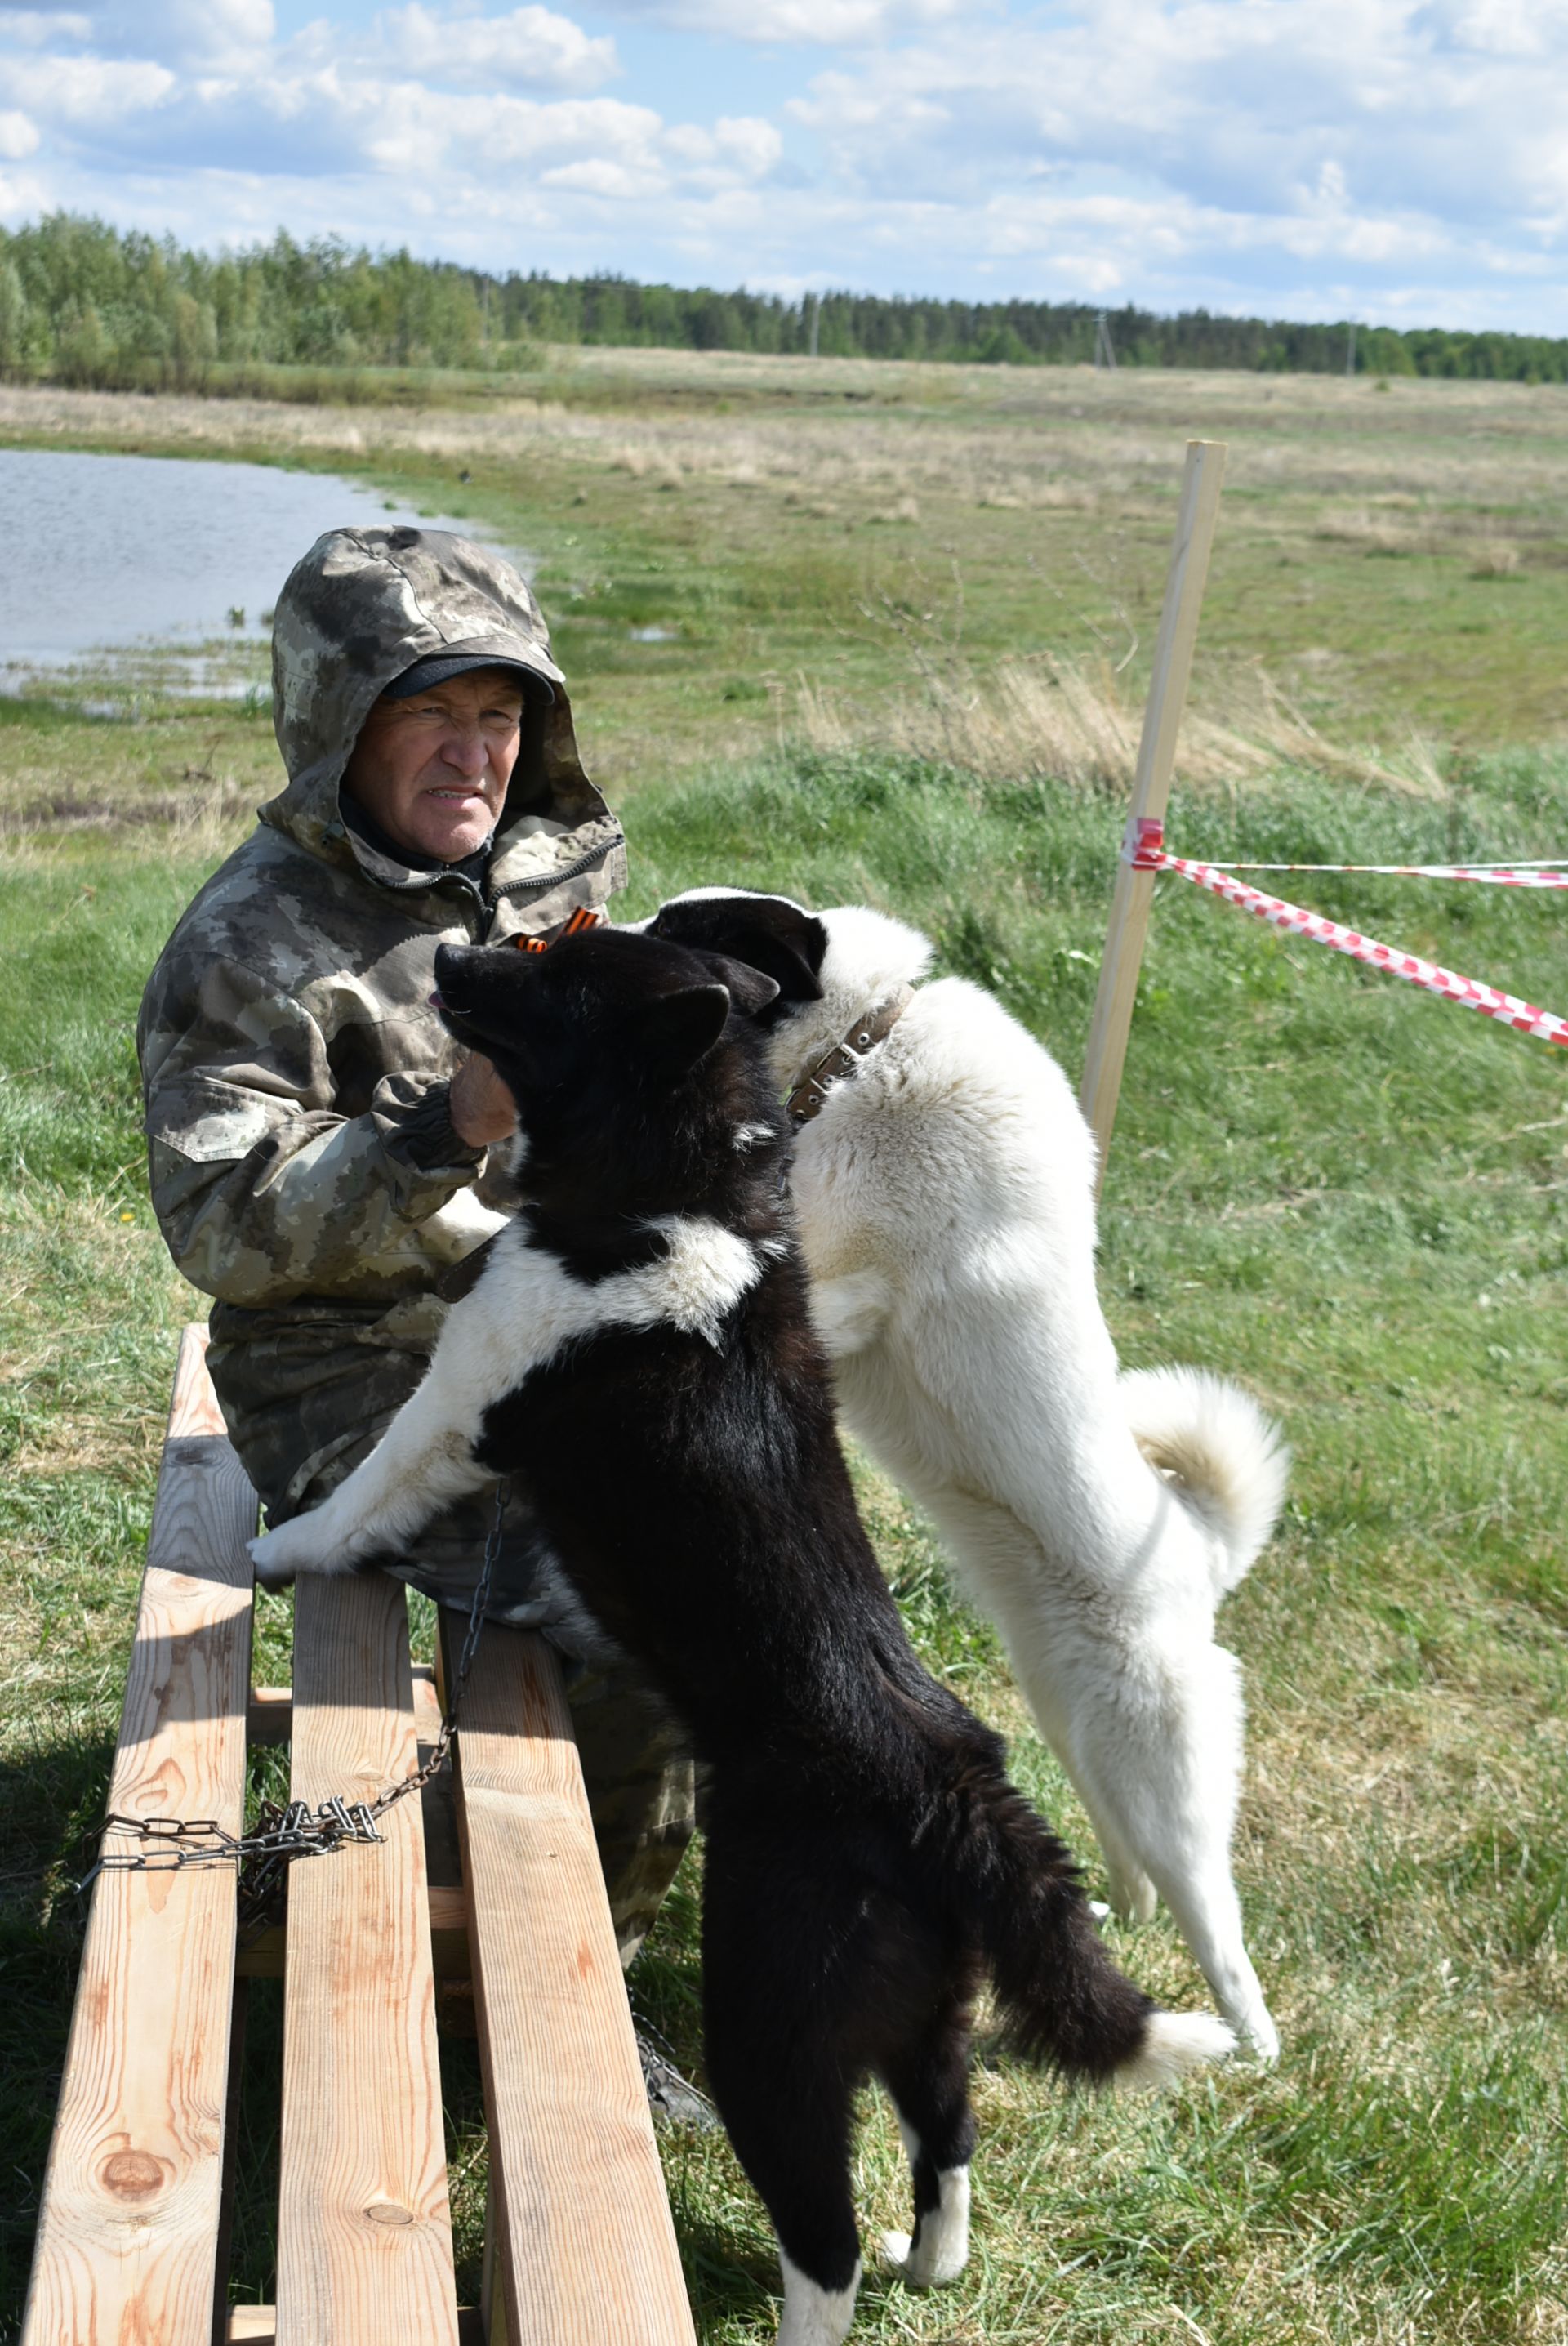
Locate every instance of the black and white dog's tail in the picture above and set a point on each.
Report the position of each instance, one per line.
(1062, 2000)
(1225, 1460)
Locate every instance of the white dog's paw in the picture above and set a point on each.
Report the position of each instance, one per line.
(1260, 2039)
(294, 1548)
(936, 2263)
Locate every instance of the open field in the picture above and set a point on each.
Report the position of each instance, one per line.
(1351, 1196)
(1395, 560)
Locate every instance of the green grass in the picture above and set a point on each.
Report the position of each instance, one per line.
(1396, 560)
(1347, 1194)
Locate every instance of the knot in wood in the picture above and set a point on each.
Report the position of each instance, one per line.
(132, 2174)
(387, 2212)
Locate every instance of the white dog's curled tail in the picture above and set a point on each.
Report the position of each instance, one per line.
(1228, 1461)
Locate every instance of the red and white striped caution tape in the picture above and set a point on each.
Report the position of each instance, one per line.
(1551, 872)
(1145, 849)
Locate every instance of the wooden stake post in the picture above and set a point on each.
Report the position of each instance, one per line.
(1113, 1017)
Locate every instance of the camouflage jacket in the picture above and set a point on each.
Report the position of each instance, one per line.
(304, 1168)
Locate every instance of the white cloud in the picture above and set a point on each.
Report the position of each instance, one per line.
(526, 134)
(532, 48)
(463, 150)
(1504, 28)
(89, 92)
(36, 26)
(599, 175)
(211, 32)
(176, 32)
(1240, 107)
(821, 24)
(753, 146)
(22, 196)
(18, 137)
(1282, 155)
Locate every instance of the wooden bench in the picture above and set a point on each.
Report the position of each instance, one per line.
(132, 2238)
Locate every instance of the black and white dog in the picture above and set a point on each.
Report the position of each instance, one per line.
(638, 1351)
(943, 1179)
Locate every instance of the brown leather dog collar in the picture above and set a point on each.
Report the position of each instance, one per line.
(844, 1059)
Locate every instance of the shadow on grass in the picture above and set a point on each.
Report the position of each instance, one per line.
(726, 2281)
(51, 1798)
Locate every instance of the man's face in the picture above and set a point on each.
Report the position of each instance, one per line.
(433, 770)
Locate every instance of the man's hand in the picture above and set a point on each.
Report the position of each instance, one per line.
(481, 1106)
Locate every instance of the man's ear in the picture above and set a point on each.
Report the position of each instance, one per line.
(749, 990)
(677, 1030)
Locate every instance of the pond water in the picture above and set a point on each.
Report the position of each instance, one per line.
(150, 573)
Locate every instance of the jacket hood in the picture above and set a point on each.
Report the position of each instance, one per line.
(361, 607)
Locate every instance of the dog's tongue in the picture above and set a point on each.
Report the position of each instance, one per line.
(437, 1002)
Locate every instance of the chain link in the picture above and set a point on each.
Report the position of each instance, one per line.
(281, 1834)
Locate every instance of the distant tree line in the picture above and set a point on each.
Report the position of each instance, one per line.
(83, 303)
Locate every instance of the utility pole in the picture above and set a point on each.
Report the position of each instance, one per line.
(1104, 355)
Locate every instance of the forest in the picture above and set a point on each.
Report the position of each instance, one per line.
(85, 304)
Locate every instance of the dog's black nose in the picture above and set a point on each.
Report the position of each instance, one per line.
(450, 990)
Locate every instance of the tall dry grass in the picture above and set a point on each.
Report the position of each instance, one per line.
(1038, 438)
(1074, 722)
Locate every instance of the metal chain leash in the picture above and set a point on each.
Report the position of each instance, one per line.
(281, 1834)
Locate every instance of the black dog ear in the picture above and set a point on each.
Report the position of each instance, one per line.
(767, 933)
(677, 1030)
(749, 990)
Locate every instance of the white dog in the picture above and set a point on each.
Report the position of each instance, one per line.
(945, 1198)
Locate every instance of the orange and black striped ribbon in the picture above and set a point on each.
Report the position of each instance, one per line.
(583, 918)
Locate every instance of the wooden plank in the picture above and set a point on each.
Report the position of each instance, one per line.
(257, 2325)
(582, 2235)
(130, 2223)
(364, 2232)
(270, 1717)
(269, 1714)
(264, 1955)
(253, 2325)
(271, 1720)
(1134, 892)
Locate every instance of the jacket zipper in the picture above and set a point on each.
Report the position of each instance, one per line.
(558, 878)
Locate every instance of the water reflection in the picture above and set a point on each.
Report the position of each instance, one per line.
(130, 575)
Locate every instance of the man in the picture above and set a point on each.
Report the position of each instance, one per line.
(319, 1146)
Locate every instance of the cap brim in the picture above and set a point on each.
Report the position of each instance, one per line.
(441, 668)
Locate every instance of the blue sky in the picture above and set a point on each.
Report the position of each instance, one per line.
(1403, 160)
